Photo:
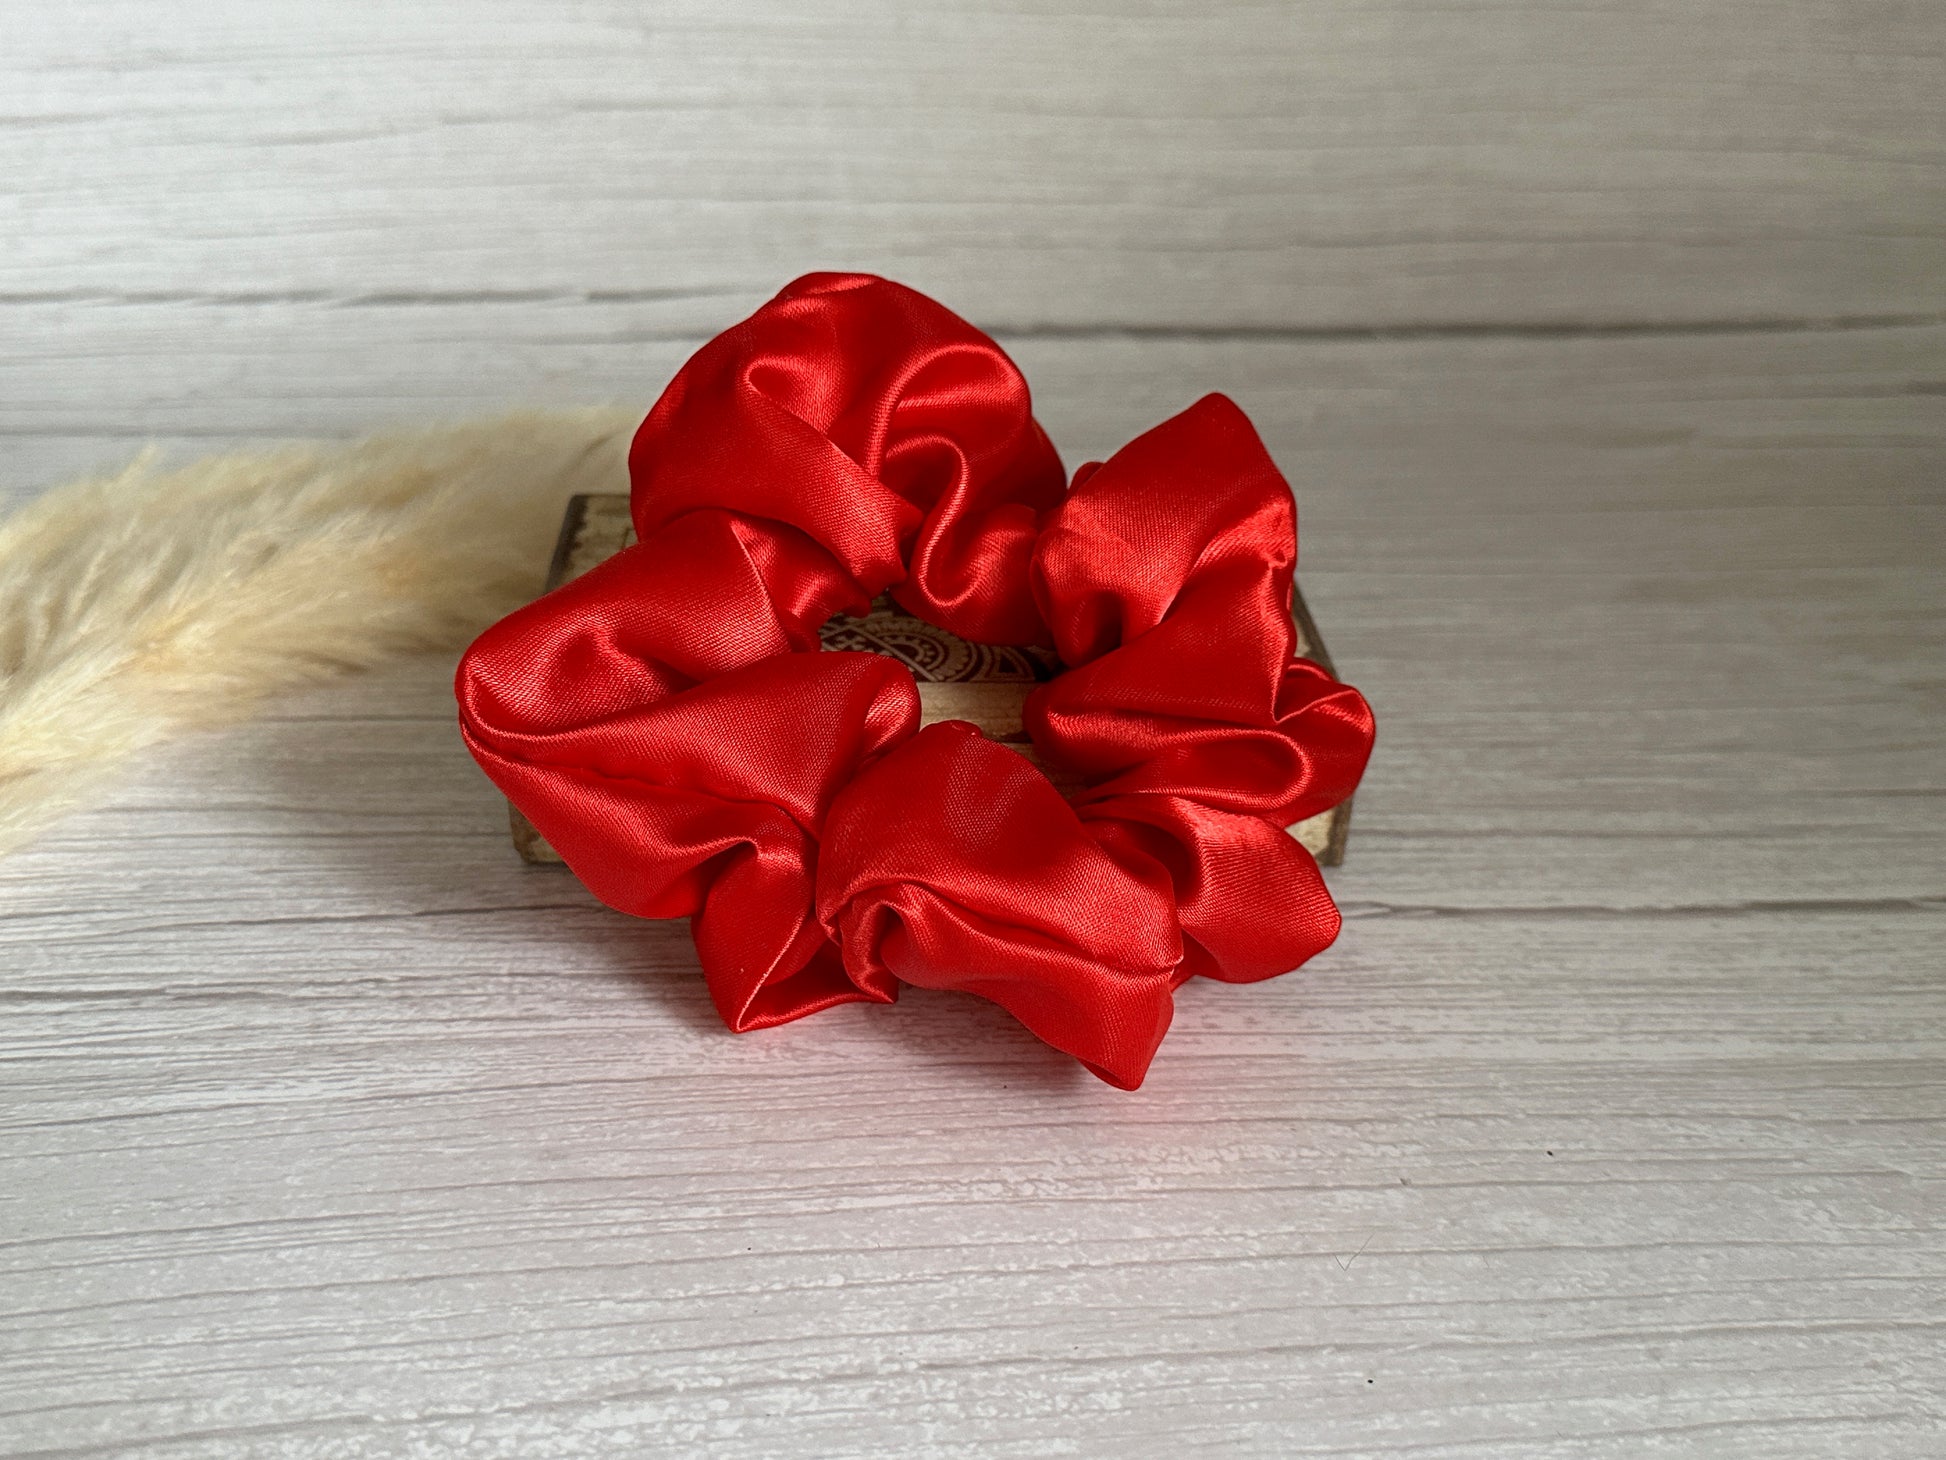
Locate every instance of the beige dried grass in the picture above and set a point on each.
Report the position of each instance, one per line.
(140, 605)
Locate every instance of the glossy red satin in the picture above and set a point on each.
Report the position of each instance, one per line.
(668, 722)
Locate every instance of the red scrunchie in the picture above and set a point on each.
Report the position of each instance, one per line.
(668, 722)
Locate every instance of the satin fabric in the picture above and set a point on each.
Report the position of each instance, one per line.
(668, 722)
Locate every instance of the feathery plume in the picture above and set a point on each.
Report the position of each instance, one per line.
(144, 604)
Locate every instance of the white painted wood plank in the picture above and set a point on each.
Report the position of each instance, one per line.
(1236, 164)
(1611, 1126)
(371, 1180)
(193, 370)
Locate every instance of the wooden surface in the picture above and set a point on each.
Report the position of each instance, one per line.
(1611, 1127)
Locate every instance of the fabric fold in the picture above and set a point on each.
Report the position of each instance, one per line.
(882, 426)
(954, 864)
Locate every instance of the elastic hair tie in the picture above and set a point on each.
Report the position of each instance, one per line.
(672, 724)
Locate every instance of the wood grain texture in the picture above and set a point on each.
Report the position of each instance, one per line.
(332, 1130)
(1243, 165)
(1603, 344)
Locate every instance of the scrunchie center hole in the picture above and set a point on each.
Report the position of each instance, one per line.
(986, 684)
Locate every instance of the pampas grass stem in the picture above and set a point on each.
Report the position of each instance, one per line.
(137, 606)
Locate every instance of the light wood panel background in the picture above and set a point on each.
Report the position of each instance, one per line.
(1605, 345)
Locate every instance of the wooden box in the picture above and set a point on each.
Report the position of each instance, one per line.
(983, 683)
